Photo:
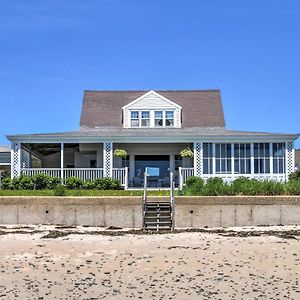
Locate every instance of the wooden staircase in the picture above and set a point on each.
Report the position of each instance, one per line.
(158, 215)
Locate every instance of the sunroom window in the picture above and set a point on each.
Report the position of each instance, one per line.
(158, 121)
(135, 119)
(169, 118)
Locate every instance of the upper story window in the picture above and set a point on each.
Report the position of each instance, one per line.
(159, 121)
(135, 120)
(145, 118)
(169, 118)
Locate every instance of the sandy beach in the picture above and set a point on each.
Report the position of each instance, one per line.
(93, 263)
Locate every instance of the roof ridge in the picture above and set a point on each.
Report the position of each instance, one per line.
(126, 91)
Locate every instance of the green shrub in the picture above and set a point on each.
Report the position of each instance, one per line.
(193, 180)
(15, 183)
(107, 184)
(292, 187)
(73, 183)
(271, 188)
(60, 190)
(295, 175)
(53, 182)
(25, 183)
(193, 186)
(89, 185)
(7, 184)
(41, 181)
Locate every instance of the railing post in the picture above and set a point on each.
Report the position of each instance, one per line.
(62, 162)
(126, 178)
(180, 178)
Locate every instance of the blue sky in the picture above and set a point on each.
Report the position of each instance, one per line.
(51, 51)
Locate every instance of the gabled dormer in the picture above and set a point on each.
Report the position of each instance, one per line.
(152, 110)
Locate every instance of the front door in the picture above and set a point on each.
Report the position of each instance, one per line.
(162, 162)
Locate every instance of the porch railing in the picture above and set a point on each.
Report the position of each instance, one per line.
(184, 174)
(83, 173)
(121, 174)
(53, 172)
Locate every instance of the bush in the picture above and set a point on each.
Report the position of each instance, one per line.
(194, 186)
(107, 184)
(292, 187)
(74, 183)
(25, 183)
(295, 175)
(53, 182)
(60, 190)
(7, 184)
(41, 181)
(214, 187)
(89, 185)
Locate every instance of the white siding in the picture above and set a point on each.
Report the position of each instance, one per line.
(152, 102)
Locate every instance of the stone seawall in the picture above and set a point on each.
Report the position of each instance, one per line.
(190, 212)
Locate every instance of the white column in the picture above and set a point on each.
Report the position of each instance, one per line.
(107, 159)
(198, 154)
(271, 158)
(214, 159)
(62, 161)
(232, 161)
(252, 158)
(15, 160)
(289, 158)
(131, 167)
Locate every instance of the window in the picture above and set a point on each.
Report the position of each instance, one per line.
(223, 158)
(278, 157)
(158, 119)
(169, 118)
(145, 119)
(135, 119)
(242, 159)
(261, 158)
(207, 158)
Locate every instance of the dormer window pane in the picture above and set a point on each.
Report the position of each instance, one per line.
(145, 118)
(135, 119)
(158, 118)
(169, 118)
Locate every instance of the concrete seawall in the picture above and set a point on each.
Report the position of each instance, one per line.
(193, 212)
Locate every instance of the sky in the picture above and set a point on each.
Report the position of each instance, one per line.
(51, 51)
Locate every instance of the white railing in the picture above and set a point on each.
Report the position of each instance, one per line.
(83, 173)
(121, 174)
(184, 174)
(53, 172)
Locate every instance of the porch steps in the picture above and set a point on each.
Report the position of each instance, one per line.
(158, 216)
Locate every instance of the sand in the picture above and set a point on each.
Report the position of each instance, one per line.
(187, 265)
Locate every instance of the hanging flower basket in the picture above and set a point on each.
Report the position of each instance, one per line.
(120, 153)
(187, 152)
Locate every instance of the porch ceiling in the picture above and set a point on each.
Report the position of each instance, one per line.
(48, 149)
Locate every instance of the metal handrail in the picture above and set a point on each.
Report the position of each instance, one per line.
(144, 198)
(172, 199)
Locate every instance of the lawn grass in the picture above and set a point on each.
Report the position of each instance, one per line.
(83, 193)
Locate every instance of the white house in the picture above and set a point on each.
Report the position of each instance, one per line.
(153, 127)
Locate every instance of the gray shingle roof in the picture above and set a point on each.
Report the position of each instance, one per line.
(202, 108)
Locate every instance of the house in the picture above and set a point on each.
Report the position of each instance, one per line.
(154, 127)
(5, 159)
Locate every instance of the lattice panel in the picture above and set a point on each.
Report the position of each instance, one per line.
(15, 159)
(198, 159)
(25, 159)
(108, 159)
(290, 160)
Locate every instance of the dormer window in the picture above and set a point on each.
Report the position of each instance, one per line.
(145, 118)
(158, 122)
(152, 110)
(135, 120)
(169, 118)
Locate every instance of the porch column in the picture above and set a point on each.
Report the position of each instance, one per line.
(15, 160)
(198, 153)
(107, 159)
(62, 161)
(289, 159)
